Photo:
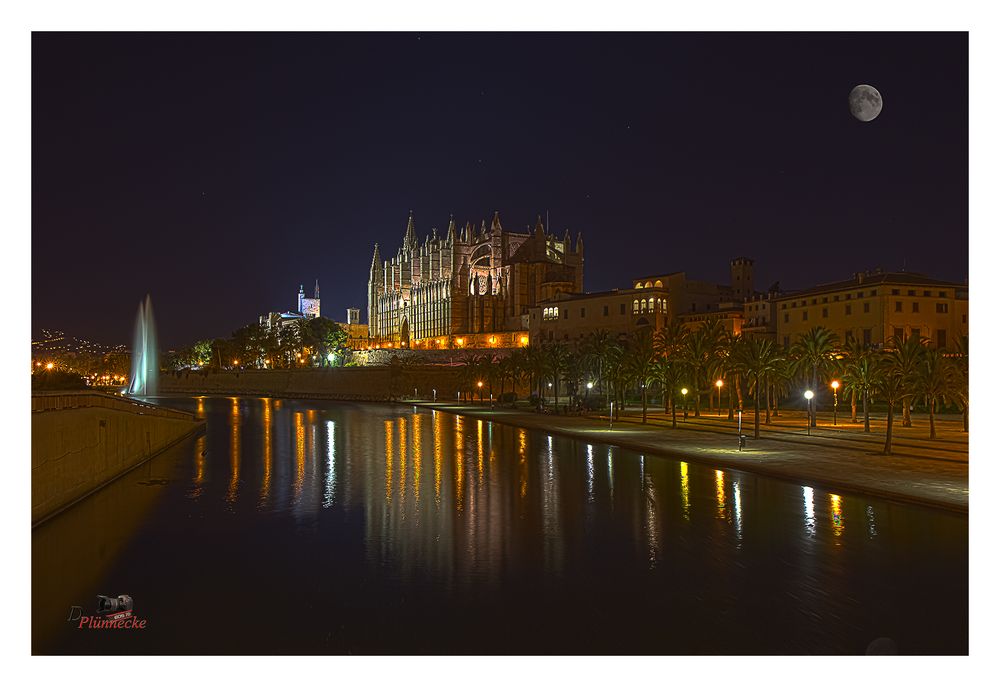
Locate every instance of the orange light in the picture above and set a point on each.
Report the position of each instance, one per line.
(460, 341)
(493, 339)
(524, 341)
(835, 384)
(718, 383)
(479, 384)
(50, 366)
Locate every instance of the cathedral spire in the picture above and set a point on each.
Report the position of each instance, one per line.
(579, 243)
(376, 261)
(495, 224)
(317, 290)
(539, 229)
(410, 238)
(451, 230)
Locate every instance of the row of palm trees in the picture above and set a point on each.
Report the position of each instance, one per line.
(753, 370)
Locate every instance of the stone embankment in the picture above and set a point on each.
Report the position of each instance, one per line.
(81, 441)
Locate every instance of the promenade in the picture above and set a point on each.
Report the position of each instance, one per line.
(929, 472)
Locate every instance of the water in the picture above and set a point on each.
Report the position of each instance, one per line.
(313, 527)
(145, 376)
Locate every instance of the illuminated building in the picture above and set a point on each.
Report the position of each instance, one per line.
(872, 307)
(307, 308)
(472, 288)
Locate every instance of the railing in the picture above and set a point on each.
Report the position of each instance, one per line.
(67, 400)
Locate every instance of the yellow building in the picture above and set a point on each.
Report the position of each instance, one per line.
(570, 317)
(875, 306)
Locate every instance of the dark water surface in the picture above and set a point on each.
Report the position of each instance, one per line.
(321, 527)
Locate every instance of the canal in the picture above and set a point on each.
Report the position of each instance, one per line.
(300, 527)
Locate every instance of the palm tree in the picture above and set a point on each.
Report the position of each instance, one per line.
(757, 358)
(891, 387)
(814, 354)
(862, 378)
(933, 382)
(534, 363)
(670, 374)
(911, 352)
(699, 350)
(640, 360)
(556, 359)
(960, 362)
(855, 349)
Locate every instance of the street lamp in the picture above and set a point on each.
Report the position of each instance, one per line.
(684, 393)
(480, 385)
(836, 385)
(718, 385)
(809, 399)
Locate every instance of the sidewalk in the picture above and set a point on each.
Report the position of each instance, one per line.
(933, 473)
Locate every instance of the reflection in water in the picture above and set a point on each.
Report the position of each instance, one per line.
(265, 485)
(810, 511)
(836, 515)
(235, 424)
(534, 533)
(685, 491)
(331, 464)
(720, 495)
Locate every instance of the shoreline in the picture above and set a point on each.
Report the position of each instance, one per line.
(707, 448)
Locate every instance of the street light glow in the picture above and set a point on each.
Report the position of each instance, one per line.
(835, 384)
(809, 394)
(590, 385)
(718, 383)
(684, 391)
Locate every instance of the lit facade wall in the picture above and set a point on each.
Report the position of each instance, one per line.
(874, 308)
(621, 312)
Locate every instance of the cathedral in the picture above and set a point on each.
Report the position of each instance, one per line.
(473, 287)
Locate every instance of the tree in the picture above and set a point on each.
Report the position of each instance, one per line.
(814, 354)
(757, 358)
(555, 365)
(640, 360)
(324, 338)
(933, 382)
(701, 346)
(862, 377)
(910, 352)
(891, 388)
(960, 363)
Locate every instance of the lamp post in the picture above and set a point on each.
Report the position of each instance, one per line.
(435, 394)
(836, 385)
(480, 385)
(718, 385)
(809, 400)
(684, 393)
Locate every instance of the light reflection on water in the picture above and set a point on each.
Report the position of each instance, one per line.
(331, 501)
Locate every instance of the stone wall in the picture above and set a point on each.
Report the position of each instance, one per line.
(79, 442)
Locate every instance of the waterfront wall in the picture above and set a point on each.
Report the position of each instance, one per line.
(382, 383)
(81, 441)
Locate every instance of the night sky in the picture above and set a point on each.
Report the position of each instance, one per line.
(217, 172)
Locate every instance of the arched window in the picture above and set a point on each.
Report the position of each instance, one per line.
(649, 284)
(642, 305)
(651, 304)
(658, 284)
(638, 285)
(635, 305)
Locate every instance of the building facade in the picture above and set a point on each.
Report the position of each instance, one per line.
(873, 307)
(469, 288)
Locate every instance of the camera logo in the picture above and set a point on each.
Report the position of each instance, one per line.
(113, 613)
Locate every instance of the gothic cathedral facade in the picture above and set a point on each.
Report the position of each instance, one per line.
(472, 287)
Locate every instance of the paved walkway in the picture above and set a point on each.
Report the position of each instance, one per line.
(934, 473)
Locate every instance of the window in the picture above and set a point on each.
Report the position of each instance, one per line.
(866, 337)
(927, 293)
(911, 292)
(605, 311)
(899, 306)
(786, 342)
(826, 312)
(847, 309)
(824, 299)
(583, 312)
(848, 296)
(635, 306)
(895, 292)
(805, 315)
(784, 305)
(867, 307)
(566, 314)
(942, 338)
(814, 302)
(916, 306)
(836, 298)
(872, 292)
(621, 309)
(786, 317)
(942, 294)
(942, 307)
(898, 332)
(861, 294)
(848, 335)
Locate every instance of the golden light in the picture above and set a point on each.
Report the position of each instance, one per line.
(718, 383)
(684, 391)
(460, 341)
(479, 384)
(50, 366)
(493, 339)
(524, 341)
(835, 384)
(235, 361)
(38, 364)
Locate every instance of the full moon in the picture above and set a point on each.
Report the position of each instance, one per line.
(865, 102)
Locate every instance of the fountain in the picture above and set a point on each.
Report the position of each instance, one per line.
(145, 357)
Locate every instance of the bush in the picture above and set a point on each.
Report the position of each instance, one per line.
(56, 380)
(509, 397)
